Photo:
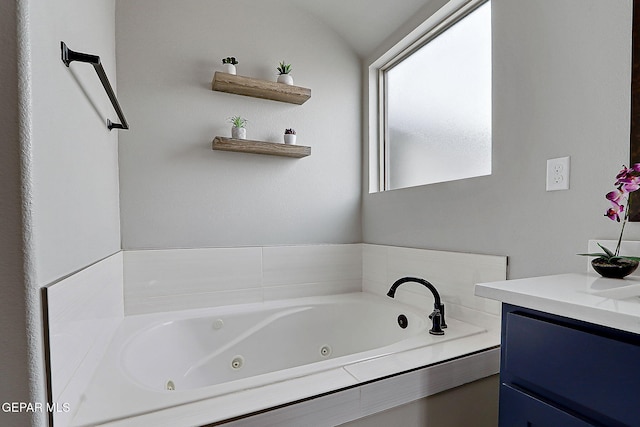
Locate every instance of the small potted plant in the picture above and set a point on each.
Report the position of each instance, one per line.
(238, 129)
(229, 64)
(290, 136)
(611, 263)
(284, 70)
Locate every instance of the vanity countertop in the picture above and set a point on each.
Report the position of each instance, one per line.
(588, 297)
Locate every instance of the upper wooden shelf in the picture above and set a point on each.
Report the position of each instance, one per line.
(260, 147)
(247, 86)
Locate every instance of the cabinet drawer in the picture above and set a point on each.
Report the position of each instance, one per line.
(592, 374)
(518, 409)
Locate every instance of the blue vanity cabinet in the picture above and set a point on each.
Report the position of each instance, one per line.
(562, 372)
(520, 409)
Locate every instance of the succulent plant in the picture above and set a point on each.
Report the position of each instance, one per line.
(284, 68)
(238, 121)
(289, 131)
(229, 60)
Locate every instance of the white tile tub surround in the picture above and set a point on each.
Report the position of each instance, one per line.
(156, 281)
(299, 271)
(454, 274)
(178, 279)
(84, 311)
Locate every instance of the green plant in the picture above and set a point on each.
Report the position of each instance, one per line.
(289, 131)
(284, 68)
(229, 60)
(611, 257)
(238, 121)
(627, 181)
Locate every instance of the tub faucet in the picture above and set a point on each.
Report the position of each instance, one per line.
(437, 316)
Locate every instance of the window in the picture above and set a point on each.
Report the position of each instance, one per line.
(436, 106)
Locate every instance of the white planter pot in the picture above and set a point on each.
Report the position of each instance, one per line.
(238, 133)
(286, 79)
(229, 68)
(290, 139)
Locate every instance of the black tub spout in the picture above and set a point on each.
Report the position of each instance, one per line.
(437, 316)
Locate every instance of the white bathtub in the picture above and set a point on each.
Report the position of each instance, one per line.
(161, 361)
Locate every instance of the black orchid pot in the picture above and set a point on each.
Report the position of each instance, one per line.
(616, 269)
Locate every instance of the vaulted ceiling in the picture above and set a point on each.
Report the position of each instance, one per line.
(363, 24)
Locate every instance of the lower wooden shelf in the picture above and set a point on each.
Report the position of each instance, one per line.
(260, 147)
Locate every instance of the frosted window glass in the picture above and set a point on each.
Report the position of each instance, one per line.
(438, 104)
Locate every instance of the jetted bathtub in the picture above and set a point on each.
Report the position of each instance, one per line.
(164, 360)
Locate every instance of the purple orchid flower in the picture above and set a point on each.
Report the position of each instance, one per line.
(615, 196)
(626, 172)
(614, 212)
(627, 181)
(631, 186)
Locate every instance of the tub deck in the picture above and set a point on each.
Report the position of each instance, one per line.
(467, 352)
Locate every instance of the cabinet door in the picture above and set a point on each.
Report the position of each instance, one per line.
(518, 409)
(591, 373)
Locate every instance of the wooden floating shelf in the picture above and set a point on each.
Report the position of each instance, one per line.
(256, 88)
(260, 147)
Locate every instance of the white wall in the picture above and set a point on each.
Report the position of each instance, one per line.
(178, 193)
(14, 301)
(74, 156)
(58, 168)
(561, 85)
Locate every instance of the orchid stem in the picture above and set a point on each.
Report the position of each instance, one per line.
(624, 222)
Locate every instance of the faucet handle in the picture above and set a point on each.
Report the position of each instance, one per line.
(436, 318)
(439, 307)
(443, 324)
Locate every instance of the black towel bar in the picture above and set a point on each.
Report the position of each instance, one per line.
(68, 56)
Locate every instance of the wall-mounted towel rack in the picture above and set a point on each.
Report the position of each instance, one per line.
(68, 56)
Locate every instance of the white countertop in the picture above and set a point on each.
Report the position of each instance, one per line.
(588, 297)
